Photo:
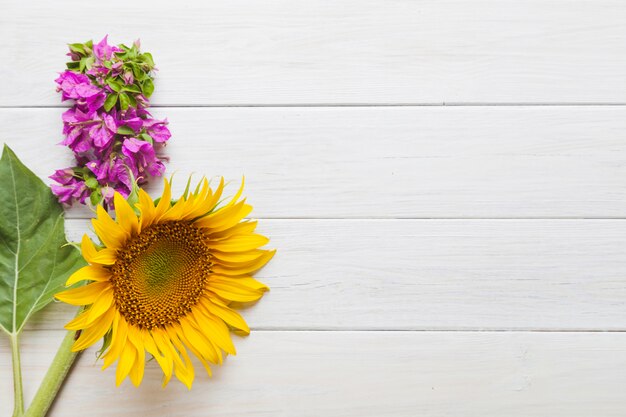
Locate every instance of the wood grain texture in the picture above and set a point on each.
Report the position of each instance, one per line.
(415, 162)
(344, 374)
(443, 275)
(350, 51)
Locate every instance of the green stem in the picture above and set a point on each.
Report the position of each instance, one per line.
(18, 403)
(54, 378)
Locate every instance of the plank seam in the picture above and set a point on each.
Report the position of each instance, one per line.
(358, 105)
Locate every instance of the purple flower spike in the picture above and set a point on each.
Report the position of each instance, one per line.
(113, 136)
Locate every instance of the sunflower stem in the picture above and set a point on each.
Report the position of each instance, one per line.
(18, 403)
(54, 378)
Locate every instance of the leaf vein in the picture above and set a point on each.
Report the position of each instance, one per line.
(18, 247)
(50, 236)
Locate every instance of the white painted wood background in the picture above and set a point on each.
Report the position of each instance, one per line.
(445, 182)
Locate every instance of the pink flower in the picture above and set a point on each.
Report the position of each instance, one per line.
(143, 157)
(103, 51)
(103, 132)
(75, 128)
(157, 129)
(70, 188)
(131, 118)
(74, 86)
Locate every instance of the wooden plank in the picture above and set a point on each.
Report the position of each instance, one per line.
(350, 51)
(362, 373)
(443, 275)
(414, 162)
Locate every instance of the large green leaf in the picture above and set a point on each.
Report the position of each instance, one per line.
(35, 259)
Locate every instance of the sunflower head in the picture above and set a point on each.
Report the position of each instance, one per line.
(163, 278)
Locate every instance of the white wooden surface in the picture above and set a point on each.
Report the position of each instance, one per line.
(386, 162)
(341, 52)
(464, 260)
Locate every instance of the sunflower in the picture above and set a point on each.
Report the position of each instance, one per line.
(163, 279)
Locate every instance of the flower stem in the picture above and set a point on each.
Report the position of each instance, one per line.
(18, 403)
(54, 378)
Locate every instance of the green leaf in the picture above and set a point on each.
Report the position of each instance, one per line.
(146, 137)
(137, 72)
(148, 87)
(35, 260)
(124, 101)
(131, 88)
(95, 198)
(115, 85)
(77, 48)
(147, 58)
(73, 65)
(132, 100)
(125, 130)
(89, 62)
(92, 183)
(109, 103)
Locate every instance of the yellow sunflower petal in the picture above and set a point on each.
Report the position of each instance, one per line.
(205, 203)
(84, 295)
(239, 243)
(214, 200)
(196, 352)
(216, 328)
(199, 203)
(236, 289)
(100, 305)
(236, 197)
(198, 341)
(146, 208)
(109, 232)
(79, 322)
(89, 273)
(184, 373)
(87, 248)
(105, 257)
(137, 370)
(243, 268)
(93, 256)
(175, 212)
(228, 315)
(92, 334)
(237, 257)
(125, 215)
(164, 203)
(240, 228)
(225, 217)
(165, 363)
(165, 346)
(126, 362)
(118, 341)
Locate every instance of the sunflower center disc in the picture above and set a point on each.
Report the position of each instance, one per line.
(160, 274)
